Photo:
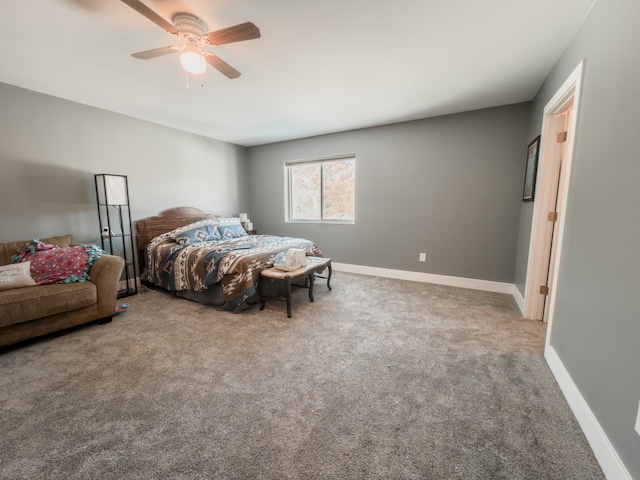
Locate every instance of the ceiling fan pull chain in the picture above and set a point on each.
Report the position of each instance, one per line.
(186, 76)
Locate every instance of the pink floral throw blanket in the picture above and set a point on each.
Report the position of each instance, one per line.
(52, 264)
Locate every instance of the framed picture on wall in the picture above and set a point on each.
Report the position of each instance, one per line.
(530, 170)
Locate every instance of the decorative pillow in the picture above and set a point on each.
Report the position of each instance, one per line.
(230, 228)
(202, 231)
(52, 264)
(16, 276)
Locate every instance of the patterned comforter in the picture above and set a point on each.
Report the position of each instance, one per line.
(235, 263)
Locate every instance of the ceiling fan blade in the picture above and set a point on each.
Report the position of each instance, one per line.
(156, 52)
(142, 9)
(219, 64)
(237, 33)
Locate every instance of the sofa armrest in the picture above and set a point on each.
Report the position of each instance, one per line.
(105, 274)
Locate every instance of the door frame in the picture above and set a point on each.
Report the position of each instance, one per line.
(541, 228)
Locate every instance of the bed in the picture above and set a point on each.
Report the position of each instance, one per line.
(223, 272)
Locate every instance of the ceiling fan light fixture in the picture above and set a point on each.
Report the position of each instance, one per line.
(193, 62)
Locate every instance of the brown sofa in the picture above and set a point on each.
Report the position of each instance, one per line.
(29, 312)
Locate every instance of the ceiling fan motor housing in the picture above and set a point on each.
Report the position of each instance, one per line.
(189, 25)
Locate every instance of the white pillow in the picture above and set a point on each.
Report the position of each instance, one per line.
(15, 276)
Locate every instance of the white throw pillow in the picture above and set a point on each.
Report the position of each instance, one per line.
(15, 276)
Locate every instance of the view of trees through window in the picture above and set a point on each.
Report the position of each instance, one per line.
(322, 191)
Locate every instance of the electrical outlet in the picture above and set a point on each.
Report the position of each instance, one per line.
(423, 257)
(638, 420)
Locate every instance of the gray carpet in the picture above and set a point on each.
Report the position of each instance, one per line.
(378, 378)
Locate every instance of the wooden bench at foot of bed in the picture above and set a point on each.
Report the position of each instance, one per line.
(309, 271)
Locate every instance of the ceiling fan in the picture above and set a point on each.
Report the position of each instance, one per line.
(193, 36)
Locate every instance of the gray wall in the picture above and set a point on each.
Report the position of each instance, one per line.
(50, 149)
(449, 186)
(596, 327)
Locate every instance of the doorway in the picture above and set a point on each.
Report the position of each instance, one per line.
(558, 147)
(554, 169)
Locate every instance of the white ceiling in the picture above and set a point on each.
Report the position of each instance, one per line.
(319, 67)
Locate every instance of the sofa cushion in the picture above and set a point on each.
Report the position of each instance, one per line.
(8, 250)
(29, 303)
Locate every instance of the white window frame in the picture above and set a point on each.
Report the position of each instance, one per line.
(287, 183)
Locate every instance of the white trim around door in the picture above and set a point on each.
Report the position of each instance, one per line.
(538, 266)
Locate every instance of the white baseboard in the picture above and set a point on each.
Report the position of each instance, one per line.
(122, 284)
(475, 284)
(518, 298)
(606, 455)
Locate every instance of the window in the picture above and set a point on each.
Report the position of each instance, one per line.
(321, 190)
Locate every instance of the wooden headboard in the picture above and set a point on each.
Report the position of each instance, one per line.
(149, 228)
